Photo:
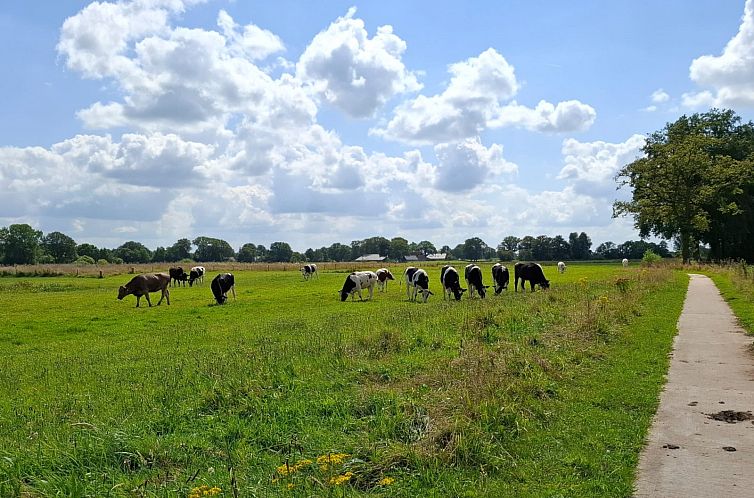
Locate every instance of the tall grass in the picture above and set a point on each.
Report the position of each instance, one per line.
(541, 394)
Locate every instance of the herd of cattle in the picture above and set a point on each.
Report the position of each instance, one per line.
(142, 285)
(417, 281)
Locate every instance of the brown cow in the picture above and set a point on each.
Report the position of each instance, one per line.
(142, 285)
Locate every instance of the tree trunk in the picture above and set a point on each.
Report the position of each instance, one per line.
(685, 246)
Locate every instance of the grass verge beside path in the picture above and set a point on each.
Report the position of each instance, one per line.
(737, 288)
(295, 393)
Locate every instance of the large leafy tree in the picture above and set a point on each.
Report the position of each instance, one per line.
(247, 253)
(87, 249)
(20, 244)
(474, 249)
(178, 251)
(695, 183)
(60, 247)
(426, 247)
(280, 252)
(580, 245)
(398, 248)
(561, 249)
(133, 252)
(339, 252)
(210, 249)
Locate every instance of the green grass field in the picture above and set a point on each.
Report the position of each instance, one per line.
(288, 391)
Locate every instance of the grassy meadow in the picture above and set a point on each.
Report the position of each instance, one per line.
(288, 391)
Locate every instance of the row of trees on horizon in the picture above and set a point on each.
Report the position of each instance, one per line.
(22, 244)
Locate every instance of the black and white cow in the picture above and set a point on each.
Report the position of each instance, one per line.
(220, 286)
(561, 267)
(309, 270)
(383, 275)
(500, 277)
(473, 275)
(451, 283)
(420, 283)
(356, 282)
(196, 275)
(531, 272)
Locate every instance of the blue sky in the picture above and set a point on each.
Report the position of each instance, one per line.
(317, 122)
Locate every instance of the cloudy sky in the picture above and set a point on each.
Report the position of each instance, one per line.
(321, 122)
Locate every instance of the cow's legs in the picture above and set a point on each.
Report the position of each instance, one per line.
(148, 301)
(371, 291)
(137, 300)
(233, 290)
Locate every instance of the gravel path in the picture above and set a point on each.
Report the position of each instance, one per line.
(689, 453)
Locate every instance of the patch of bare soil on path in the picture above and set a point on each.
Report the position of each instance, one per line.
(730, 416)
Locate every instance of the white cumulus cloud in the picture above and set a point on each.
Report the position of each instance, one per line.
(730, 75)
(355, 73)
(473, 101)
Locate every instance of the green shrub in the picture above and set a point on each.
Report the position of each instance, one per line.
(102, 261)
(84, 260)
(650, 258)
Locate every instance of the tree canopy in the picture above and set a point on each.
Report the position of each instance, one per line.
(695, 182)
(20, 244)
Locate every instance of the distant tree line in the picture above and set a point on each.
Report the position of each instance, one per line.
(22, 244)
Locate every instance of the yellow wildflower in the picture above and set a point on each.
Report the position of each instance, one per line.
(386, 481)
(332, 459)
(290, 485)
(204, 490)
(341, 479)
(287, 468)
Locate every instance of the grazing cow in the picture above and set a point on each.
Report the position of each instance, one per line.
(500, 277)
(175, 275)
(309, 270)
(196, 275)
(356, 282)
(142, 285)
(220, 286)
(531, 272)
(561, 267)
(383, 275)
(450, 283)
(420, 282)
(408, 274)
(625, 263)
(473, 276)
(183, 278)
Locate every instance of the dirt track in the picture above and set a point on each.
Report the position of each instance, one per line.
(701, 443)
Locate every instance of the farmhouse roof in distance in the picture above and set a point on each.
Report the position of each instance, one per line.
(371, 257)
(436, 256)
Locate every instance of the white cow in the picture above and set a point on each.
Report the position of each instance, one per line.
(356, 282)
(561, 267)
(625, 263)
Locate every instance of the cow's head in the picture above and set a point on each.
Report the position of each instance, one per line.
(426, 293)
(122, 292)
(545, 284)
(483, 291)
(458, 292)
